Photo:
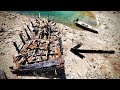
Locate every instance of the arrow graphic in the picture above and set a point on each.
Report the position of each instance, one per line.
(77, 51)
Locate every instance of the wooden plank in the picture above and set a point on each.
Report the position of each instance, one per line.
(16, 47)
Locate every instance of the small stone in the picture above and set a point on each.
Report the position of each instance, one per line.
(64, 40)
(67, 74)
(2, 53)
(114, 12)
(106, 27)
(2, 29)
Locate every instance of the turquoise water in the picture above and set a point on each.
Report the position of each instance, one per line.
(66, 17)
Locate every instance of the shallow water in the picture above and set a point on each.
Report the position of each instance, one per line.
(66, 17)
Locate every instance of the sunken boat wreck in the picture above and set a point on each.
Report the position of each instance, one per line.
(40, 50)
(86, 26)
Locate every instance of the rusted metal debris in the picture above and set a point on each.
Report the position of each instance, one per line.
(41, 49)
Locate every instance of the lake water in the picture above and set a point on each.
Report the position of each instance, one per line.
(66, 17)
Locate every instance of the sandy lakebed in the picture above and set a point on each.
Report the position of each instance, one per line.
(93, 66)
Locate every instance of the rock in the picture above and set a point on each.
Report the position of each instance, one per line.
(106, 27)
(2, 29)
(3, 24)
(64, 40)
(94, 66)
(114, 12)
(2, 53)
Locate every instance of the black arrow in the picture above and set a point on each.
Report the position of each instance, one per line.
(77, 51)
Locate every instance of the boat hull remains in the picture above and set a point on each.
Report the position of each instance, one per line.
(86, 26)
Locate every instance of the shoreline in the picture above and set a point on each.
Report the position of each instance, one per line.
(88, 14)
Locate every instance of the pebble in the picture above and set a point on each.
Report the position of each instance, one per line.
(106, 27)
(94, 66)
(114, 12)
(2, 53)
(2, 29)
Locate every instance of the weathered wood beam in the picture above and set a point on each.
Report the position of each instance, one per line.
(29, 28)
(21, 37)
(29, 38)
(16, 47)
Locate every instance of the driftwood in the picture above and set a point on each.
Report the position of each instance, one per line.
(39, 65)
